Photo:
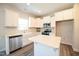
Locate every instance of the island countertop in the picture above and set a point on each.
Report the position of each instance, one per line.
(52, 41)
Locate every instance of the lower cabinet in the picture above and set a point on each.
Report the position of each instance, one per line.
(44, 50)
(25, 41)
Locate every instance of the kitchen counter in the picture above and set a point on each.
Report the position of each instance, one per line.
(25, 40)
(26, 33)
(51, 41)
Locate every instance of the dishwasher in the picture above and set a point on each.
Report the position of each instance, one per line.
(15, 42)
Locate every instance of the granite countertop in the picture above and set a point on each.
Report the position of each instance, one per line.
(52, 41)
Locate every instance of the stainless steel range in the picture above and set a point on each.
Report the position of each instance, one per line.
(46, 29)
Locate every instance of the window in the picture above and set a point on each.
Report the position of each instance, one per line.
(23, 24)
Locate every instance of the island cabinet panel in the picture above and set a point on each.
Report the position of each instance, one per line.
(44, 50)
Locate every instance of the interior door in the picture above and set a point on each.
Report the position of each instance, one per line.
(64, 29)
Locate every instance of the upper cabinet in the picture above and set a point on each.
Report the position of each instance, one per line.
(32, 22)
(11, 18)
(35, 22)
(39, 22)
(68, 14)
(53, 21)
(64, 15)
(49, 19)
(59, 16)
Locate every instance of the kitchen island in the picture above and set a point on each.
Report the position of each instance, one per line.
(45, 45)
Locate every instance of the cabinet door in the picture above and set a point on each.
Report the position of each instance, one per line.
(68, 14)
(32, 22)
(52, 21)
(35, 22)
(11, 18)
(39, 22)
(59, 16)
(64, 29)
(47, 19)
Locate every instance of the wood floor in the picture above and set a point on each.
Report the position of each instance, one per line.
(65, 50)
(25, 51)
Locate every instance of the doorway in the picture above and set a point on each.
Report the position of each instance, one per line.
(64, 29)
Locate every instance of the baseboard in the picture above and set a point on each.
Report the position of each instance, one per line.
(66, 43)
(76, 50)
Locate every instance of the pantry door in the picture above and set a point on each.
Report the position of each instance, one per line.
(64, 29)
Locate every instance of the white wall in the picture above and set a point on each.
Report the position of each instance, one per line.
(2, 32)
(76, 28)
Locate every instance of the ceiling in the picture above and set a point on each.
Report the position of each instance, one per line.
(42, 9)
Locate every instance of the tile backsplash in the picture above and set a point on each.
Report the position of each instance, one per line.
(13, 31)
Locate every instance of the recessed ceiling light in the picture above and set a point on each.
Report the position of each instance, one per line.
(28, 4)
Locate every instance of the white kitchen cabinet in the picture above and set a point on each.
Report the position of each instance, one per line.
(68, 14)
(25, 40)
(59, 16)
(39, 22)
(47, 19)
(64, 15)
(35, 22)
(8, 17)
(11, 18)
(52, 21)
(32, 22)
